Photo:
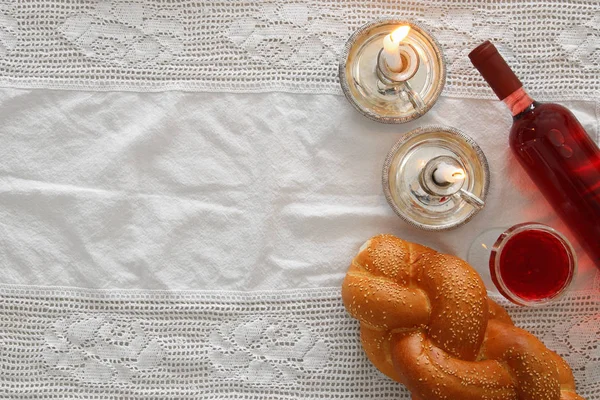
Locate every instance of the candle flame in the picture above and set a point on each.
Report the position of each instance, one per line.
(400, 34)
(458, 174)
(446, 174)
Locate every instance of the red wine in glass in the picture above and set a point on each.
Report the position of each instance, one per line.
(532, 264)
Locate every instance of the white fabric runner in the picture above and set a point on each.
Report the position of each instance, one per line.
(222, 191)
(135, 202)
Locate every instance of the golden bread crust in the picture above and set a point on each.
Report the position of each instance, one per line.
(426, 321)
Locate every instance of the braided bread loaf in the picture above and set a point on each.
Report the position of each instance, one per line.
(426, 321)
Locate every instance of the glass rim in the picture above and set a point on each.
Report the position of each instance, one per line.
(501, 242)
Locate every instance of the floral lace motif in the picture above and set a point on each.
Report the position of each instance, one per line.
(125, 33)
(72, 344)
(294, 46)
(8, 30)
(96, 349)
(265, 350)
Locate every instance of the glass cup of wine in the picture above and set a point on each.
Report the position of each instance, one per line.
(530, 264)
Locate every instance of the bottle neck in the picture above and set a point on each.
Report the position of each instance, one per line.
(518, 101)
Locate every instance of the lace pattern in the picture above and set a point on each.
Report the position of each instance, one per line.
(277, 45)
(70, 343)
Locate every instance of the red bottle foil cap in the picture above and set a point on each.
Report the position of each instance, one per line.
(494, 70)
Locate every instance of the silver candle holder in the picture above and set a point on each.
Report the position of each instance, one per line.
(436, 178)
(395, 93)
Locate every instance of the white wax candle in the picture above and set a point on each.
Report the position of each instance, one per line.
(391, 54)
(391, 51)
(446, 173)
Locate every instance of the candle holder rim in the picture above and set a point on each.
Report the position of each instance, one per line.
(389, 76)
(420, 27)
(448, 187)
(431, 129)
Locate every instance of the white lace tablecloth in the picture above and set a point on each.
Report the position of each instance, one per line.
(182, 187)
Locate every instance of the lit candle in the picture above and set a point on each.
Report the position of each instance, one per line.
(391, 48)
(446, 173)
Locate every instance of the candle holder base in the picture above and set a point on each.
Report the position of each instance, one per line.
(412, 192)
(383, 95)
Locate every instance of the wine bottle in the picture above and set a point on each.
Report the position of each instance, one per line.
(554, 149)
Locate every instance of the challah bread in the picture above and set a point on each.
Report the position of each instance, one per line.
(426, 321)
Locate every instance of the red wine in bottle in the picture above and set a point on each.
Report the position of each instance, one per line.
(554, 149)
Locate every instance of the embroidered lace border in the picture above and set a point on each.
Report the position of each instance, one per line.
(73, 343)
(277, 45)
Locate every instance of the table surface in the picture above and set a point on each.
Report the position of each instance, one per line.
(188, 176)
